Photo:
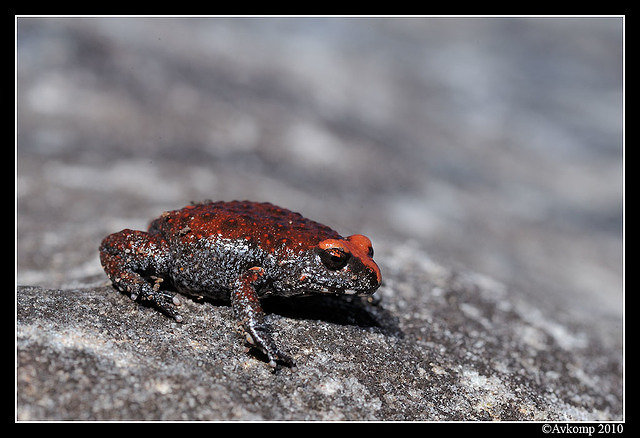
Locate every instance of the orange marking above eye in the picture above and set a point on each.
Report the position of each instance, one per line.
(333, 243)
(362, 243)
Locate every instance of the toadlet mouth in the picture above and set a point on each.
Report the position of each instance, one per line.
(331, 290)
(340, 291)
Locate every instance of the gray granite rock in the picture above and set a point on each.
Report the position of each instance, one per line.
(482, 157)
(437, 346)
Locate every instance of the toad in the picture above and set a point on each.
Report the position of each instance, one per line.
(240, 251)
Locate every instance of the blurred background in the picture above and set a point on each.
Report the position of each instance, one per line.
(494, 145)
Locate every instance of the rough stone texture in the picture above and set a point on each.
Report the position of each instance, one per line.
(483, 157)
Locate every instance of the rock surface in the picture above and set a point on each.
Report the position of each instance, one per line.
(482, 156)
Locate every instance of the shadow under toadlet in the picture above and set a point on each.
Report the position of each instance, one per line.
(361, 311)
(337, 309)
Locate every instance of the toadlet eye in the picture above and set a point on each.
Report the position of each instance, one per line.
(334, 258)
